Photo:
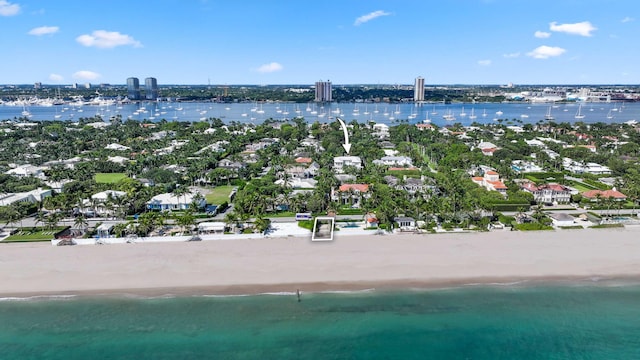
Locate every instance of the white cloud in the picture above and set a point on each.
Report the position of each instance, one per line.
(511, 55)
(582, 28)
(85, 75)
(43, 30)
(627, 19)
(107, 39)
(545, 52)
(370, 16)
(8, 9)
(56, 77)
(484, 62)
(541, 34)
(269, 68)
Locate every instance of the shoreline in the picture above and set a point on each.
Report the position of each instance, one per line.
(326, 288)
(349, 264)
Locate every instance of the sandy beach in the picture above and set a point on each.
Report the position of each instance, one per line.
(348, 263)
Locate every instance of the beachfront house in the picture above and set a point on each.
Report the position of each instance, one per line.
(169, 201)
(561, 219)
(350, 194)
(548, 193)
(596, 195)
(101, 203)
(211, 227)
(405, 223)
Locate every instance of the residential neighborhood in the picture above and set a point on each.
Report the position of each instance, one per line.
(175, 175)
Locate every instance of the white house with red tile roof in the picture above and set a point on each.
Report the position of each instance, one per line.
(350, 194)
(491, 182)
(548, 193)
(604, 194)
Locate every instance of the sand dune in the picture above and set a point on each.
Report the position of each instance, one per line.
(348, 263)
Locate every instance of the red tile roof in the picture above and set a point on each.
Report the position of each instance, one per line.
(498, 184)
(303, 160)
(592, 194)
(356, 187)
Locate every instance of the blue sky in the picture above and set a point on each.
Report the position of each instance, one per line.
(300, 41)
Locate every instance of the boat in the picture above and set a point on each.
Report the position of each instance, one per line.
(449, 116)
(524, 116)
(499, 113)
(397, 110)
(434, 112)
(484, 113)
(259, 111)
(473, 115)
(579, 114)
(462, 113)
(609, 114)
(548, 115)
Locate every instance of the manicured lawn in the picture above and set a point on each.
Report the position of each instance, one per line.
(109, 178)
(580, 187)
(30, 235)
(219, 194)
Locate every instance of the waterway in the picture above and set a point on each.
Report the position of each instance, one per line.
(464, 113)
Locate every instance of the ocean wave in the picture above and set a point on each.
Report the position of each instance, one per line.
(37, 297)
(508, 283)
(343, 291)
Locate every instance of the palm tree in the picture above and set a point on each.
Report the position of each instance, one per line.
(186, 220)
(261, 224)
(13, 216)
(81, 223)
(52, 220)
(40, 218)
(231, 219)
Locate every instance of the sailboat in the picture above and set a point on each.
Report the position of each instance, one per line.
(473, 115)
(25, 112)
(448, 116)
(548, 115)
(462, 113)
(609, 115)
(579, 114)
(484, 113)
(434, 112)
(260, 111)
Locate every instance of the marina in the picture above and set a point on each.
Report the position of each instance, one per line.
(437, 113)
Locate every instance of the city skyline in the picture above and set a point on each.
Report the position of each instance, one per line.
(270, 43)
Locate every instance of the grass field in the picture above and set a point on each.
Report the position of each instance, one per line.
(219, 194)
(109, 178)
(32, 235)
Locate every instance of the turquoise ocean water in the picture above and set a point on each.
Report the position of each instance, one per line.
(572, 321)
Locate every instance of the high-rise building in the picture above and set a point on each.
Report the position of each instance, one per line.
(323, 91)
(133, 88)
(151, 88)
(418, 89)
